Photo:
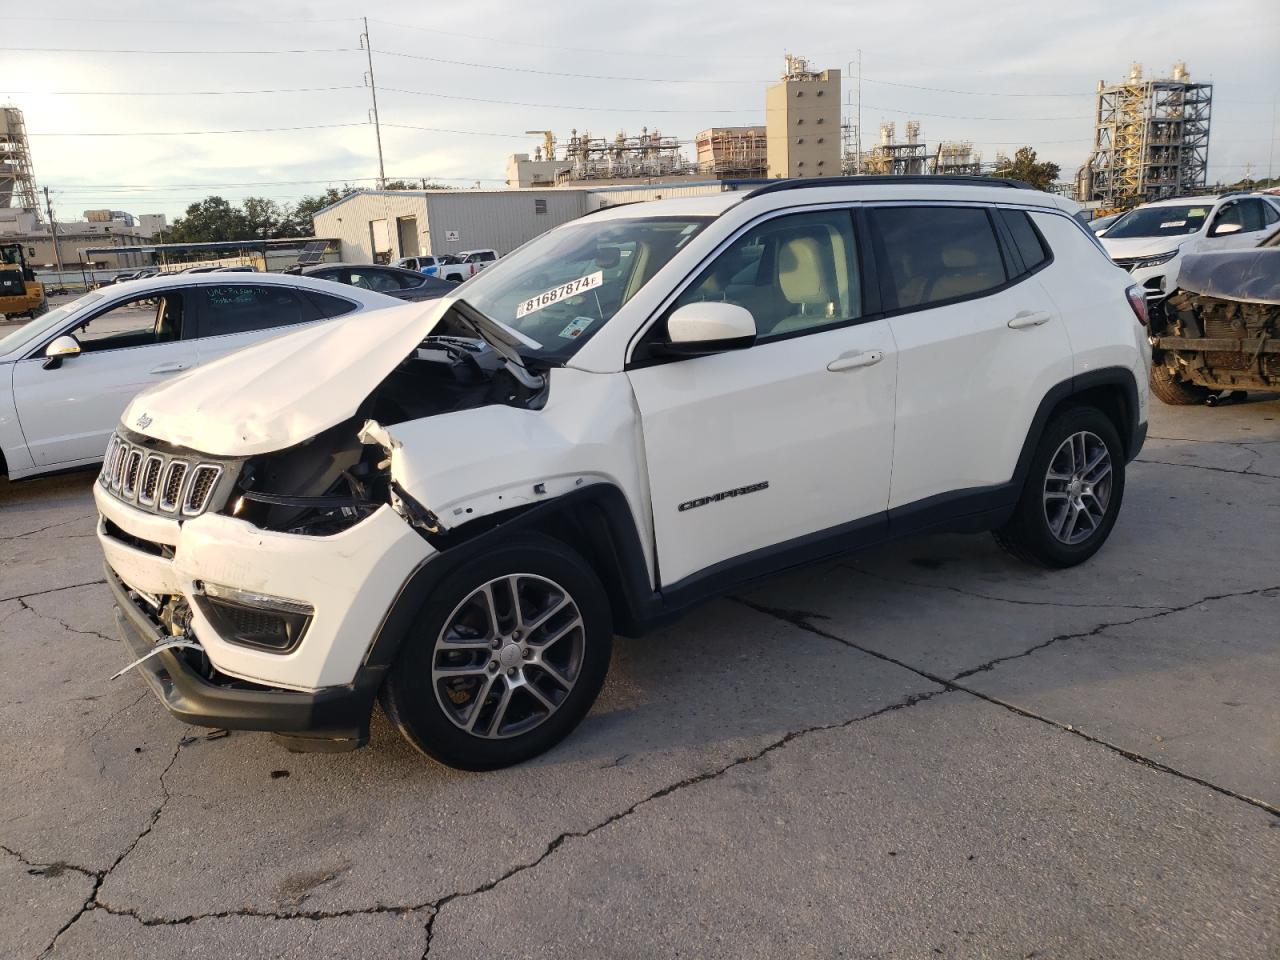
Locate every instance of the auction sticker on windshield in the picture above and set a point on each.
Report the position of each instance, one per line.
(556, 294)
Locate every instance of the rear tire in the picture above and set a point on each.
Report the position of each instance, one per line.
(482, 682)
(1072, 493)
(1175, 391)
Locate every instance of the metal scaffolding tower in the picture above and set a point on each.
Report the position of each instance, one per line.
(898, 158)
(17, 179)
(1151, 139)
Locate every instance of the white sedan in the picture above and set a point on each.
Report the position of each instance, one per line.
(66, 376)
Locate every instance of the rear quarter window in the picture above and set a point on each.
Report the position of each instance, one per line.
(1026, 239)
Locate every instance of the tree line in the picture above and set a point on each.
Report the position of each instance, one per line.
(259, 218)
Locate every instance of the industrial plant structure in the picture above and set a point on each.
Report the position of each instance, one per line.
(897, 157)
(17, 178)
(802, 121)
(1151, 139)
(956, 158)
(733, 152)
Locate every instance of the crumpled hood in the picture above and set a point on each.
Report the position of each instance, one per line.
(279, 393)
(1141, 246)
(1250, 276)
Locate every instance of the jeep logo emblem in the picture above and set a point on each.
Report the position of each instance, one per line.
(143, 422)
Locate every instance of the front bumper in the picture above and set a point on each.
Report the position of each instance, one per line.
(333, 718)
(350, 579)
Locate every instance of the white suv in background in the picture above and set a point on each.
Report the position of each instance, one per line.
(456, 506)
(1150, 241)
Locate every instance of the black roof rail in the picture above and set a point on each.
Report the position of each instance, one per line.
(939, 180)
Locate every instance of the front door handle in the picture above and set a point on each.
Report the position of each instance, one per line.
(169, 368)
(1026, 318)
(855, 359)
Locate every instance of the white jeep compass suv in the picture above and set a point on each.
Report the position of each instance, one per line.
(455, 506)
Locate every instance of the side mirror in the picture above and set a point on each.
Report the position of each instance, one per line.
(1222, 229)
(61, 348)
(697, 329)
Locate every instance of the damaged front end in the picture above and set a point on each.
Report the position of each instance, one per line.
(342, 475)
(1220, 328)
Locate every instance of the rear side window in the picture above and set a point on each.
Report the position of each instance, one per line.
(1025, 239)
(934, 254)
(330, 306)
(240, 308)
(1269, 214)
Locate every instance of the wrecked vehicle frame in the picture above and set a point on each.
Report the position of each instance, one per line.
(1220, 329)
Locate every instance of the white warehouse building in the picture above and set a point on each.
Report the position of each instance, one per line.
(381, 226)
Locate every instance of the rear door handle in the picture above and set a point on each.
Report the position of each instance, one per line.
(1026, 318)
(169, 368)
(853, 360)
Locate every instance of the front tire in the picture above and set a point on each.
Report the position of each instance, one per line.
(1072, 494)
(505, 658)
(1173, 390)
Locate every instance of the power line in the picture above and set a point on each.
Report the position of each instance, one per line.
(177, 52)
(554, 73)
(175, 93)
(198, 133)
(648, 54)
(562, 106)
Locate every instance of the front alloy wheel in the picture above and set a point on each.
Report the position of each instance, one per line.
(505, 657)
(508, 656)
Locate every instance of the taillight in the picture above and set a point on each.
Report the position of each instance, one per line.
(1137, 302)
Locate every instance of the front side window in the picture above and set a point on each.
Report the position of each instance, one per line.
(795, 274)
(1170, 220)
(561, 288)
(142, 322)
(1251, 215)
(241, 308)
(934, 254)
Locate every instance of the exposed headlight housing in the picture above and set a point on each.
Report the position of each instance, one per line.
(252, 619)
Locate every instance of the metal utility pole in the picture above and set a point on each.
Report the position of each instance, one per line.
(857, 131)
(53, 229)
(373, 90)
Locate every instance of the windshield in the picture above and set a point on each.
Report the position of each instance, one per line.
(1160, 221)
(34, 329)
(561, 288)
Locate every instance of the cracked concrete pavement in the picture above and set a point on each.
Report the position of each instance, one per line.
(926, 749)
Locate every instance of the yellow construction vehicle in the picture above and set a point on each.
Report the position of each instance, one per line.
(21, 294)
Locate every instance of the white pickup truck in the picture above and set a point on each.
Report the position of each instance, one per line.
(472, 262)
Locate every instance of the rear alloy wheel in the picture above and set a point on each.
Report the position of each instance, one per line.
(1072, 493)
(506, 658)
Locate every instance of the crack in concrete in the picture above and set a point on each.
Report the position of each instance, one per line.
(1227, 443)
(435, 905)
(41, 593)
(988, 596)
(798, 619)
(50, 868)
(99, 877)
(102, 764)
(22, 601)
(1246, 472)
(695, 779)
(51, 526)
(1102, 627)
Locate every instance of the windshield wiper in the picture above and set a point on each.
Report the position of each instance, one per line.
(505, 342)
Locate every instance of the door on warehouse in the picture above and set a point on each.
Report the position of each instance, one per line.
(407, 234)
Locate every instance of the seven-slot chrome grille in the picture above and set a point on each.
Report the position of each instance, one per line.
(172, 483)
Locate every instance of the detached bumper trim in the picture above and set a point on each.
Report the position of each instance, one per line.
(332, 718)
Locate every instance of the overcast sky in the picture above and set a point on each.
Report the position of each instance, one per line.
(1007, 75)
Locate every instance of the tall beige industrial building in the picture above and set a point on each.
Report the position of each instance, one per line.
(802, 120)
